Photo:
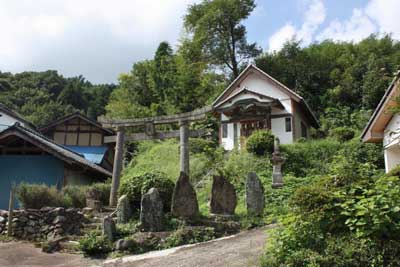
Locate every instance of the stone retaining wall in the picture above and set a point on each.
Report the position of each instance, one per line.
(46, 223)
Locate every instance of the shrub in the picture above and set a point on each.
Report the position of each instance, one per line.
(394, 172)
(240, 163)
(36, 196)
(309, 158)
(135, 186)
(104, 191)
(74, 196)
(95, 245)
(260, 143)
(342, 134)
(201, 145)
(184, 236)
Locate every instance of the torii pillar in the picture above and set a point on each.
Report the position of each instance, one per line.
(184, 146)
(117, 169)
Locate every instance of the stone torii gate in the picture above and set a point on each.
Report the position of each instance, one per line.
(150, 133)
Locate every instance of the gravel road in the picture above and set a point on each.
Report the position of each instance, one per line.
(242, 250)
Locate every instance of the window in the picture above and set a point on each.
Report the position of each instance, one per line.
(303, 130)
(224, 130)
(288, 124)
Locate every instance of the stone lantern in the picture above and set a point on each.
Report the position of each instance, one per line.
(277, 161)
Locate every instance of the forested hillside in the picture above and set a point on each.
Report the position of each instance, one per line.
(341, 81)
(44, 96)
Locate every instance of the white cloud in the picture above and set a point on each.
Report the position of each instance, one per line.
(96, 38)
(358, 27)
(314, 16)
(386, 14)
(379, 16)
(284, 34)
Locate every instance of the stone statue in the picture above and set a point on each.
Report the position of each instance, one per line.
(277, 161)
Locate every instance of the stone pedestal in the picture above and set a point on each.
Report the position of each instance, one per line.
(124, 211)
(255, 200)
(109, 229)
(223, 197)
(184, 199)
(151, 212)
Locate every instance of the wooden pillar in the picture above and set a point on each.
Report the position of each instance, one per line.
(118, 162)
(268, 119)
(184, 146)
(10, 211)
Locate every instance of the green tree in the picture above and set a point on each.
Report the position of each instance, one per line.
(164, 72)
(216, 25)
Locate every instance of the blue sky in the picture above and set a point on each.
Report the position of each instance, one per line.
(271, 15)
(100, 39)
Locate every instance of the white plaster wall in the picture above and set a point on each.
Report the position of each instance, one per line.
(391, 143)
(7, 121)
(278, 128)
(392, 157)
(256, 83)
(228, 143)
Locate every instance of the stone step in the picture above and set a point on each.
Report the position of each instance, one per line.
(92, 226)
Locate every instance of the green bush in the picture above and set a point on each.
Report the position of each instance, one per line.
(135, 186)
(309, 158)
(201, 145)
(74, 196)
(36, 196)
(104, 191)
(95, 245)
(394, 172)
(260, 143)
(342, 134)
(239, 163)
(185, 236)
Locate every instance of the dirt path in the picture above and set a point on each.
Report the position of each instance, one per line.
(18, 254)
(242, 250)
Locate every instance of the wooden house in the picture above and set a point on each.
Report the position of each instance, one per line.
(254, 101)
(28, 156)
(83, 136)
(9, 117)
(384, 125)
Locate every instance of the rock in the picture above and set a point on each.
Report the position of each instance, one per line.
(29, 230)
(109, 229)
(223, 196)
(59, 219)
(53, 245)
(94, 204)
(57, 211)
(125, 244)
(2, 219)
(255, 199)
(148, 240)
(3, 213)
(151, 212)
(124, 211)
(93, 193)
(87, 210)
(184, 199)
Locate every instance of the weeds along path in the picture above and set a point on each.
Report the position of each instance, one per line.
(241, 250)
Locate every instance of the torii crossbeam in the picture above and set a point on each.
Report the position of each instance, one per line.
(150, 133)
